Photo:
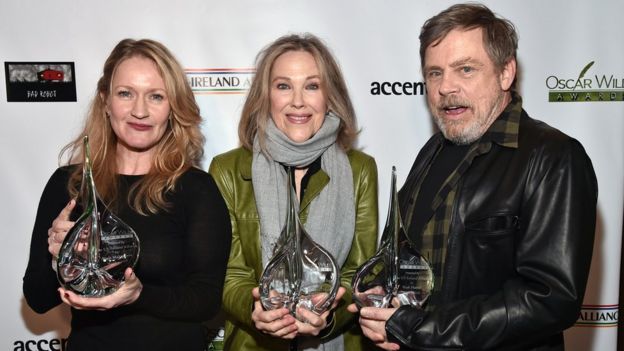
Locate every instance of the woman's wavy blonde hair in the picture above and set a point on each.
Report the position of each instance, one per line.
(257, 108)
(180, 148)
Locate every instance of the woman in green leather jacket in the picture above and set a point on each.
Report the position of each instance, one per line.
(297, 113)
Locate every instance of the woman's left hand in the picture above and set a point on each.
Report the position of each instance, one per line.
(127, 293)
(316, 323)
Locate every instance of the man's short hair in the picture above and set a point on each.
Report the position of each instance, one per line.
(499, 35)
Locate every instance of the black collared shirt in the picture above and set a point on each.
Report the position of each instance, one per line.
(314, 167)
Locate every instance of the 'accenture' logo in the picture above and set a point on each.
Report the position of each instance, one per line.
(53, 344)
(398, 88)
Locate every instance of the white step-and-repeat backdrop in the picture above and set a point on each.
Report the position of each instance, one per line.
(571, 60)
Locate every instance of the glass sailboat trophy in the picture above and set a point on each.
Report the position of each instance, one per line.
(100, 246)
(397, 274)
(301, 273)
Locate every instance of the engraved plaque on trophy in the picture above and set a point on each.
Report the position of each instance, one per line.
(97, 250)
(301, 273)
(397, 274)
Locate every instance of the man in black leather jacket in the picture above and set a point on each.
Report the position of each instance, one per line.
(502, 205)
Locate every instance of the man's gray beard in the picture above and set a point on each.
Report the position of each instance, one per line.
(474, 131)
(468, 135)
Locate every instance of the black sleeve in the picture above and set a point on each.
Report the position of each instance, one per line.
(40, 283)
(208, 239)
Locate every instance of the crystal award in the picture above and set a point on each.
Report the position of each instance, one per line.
(301, 273)
(100, 246)
(397, 274)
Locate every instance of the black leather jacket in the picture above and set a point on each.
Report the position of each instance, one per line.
(519, 248)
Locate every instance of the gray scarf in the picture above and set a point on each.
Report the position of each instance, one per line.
(331, 218)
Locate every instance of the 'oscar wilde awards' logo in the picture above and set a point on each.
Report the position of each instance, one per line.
(220, 80)
(586, 87)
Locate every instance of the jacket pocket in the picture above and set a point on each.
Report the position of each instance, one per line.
(493, 224)
(488, 259)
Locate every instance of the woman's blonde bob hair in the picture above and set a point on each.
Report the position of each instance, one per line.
(256, 110)
(180, 147)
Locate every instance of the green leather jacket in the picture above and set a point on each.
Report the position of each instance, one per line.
(232, 172)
